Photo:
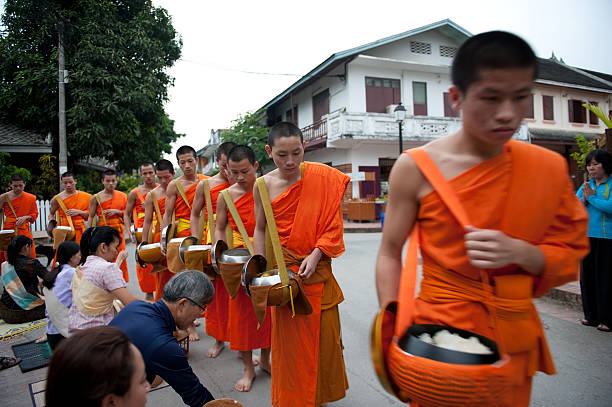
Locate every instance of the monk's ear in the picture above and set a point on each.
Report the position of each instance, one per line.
(456, 97)
(304, 145)
(269, 150)
(256, 166)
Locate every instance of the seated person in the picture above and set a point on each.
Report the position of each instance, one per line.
(96, 367)
(97, 282)
(58, 291)
(150, 327)
(20, 275)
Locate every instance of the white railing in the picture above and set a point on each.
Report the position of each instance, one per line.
(44, 207)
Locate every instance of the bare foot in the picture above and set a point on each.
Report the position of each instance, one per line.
(256, 360)
(264, 361)
(245, 382)
(196, 323)
(216, 349)
(42, 338)
(193, 335)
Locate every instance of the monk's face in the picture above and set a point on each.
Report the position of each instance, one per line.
(109, 182)
(494, 105)
(69, 184)
(188, 163)
(164, 177)
(287, 153)
(17, 187)
(147, 172)
(222, 164)
(243, 173)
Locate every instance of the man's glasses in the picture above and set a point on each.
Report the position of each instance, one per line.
(195, 303)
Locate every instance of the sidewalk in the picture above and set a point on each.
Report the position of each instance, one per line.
(567, 294)
(362, 227)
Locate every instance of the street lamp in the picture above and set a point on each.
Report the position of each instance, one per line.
(400, 115)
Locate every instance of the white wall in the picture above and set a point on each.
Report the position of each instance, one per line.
(401, 49)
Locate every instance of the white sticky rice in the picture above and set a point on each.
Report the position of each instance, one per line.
(447, 340)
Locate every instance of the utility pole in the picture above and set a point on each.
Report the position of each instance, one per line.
(63, 160)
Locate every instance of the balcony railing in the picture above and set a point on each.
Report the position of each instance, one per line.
(315, 133)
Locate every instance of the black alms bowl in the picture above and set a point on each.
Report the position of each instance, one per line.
(411, 343)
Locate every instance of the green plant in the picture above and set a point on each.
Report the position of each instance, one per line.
(599, 112)
(6, 170)
(248, 129)
(47, 181)
(89, 181)
(585, 146)
(127, 182)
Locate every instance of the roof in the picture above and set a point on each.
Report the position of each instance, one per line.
(14, 139)
(555, 71)
(601, 75)
(561, 135)
(447, 27)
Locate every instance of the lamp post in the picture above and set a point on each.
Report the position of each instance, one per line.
(400, 115)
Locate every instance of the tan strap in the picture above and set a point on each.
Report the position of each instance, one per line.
(101, 210)
(229, 235)
(157, 212)
(238, 220)
(182, 192)
(209, 211)
(8, 201)
(62, 205)
(274, 238)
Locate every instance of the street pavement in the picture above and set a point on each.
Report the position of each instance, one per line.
(582, 355)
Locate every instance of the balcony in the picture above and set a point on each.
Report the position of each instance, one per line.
(315, 135)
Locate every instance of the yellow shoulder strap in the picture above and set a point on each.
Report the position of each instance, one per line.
(8, 201)
(238, 220)
(182, 192)
(273, 233)
(101, 210)
(62, 205)
(209, 211)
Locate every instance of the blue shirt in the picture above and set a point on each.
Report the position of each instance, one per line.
(150, 327)
(599, 207)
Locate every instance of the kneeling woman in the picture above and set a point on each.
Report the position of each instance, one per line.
(97, 367)
(98, 281)
(21, 300)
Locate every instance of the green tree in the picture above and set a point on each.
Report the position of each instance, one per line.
(117, 53)
(6, 170)
(249, 129)
(584, 147)
(47, 182)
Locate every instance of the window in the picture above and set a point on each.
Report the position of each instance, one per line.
(593, 119)
(529, 111)
(446, 51)
(320, 105)
(292, 119)
(577, 113)
(548, 108)
(380, 93)
(420, 47)
(448, 107)
(419, 98)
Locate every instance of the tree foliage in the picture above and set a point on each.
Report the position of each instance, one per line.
(6, 170)
(47, 182)
(249, 129)
(584, 147)
(116, 52)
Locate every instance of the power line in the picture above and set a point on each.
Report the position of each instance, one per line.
(221, 68)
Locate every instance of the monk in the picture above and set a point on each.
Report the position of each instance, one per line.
(109, 207)
(525, 230)
(76, 202)
(155, 205)
(217, 311)
(307, 362)
(179, 199)
(135, 206)
(19, 209)
(244, 336)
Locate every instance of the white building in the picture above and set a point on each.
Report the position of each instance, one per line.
(345, 105)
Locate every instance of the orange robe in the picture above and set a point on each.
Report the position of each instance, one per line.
(146, 280)
(307, 363)
(24, 204)
(162, 277)
(217, 312)
(243, 332)
(79, 201)
(118, 201)
(517, 204)
(182, 211)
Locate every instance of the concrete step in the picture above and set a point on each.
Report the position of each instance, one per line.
(567, 294)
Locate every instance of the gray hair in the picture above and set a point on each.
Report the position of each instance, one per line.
(192, 284)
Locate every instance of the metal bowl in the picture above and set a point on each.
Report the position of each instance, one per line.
(137, 233)
(185, 244)
(165, 236)
(254, 273)
(220, 253)
(7, 231)
(150, 260)
(50, 226)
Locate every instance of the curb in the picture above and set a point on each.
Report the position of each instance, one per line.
(566, 297)
(362, 230)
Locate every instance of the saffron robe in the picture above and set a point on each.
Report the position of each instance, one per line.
(79, 201)
(492, 185)
(118, 201)
(307, 363)
(182, 211)
(217, 312)
(243, 332)
(146, 280)
(162, 277)
(24, 204)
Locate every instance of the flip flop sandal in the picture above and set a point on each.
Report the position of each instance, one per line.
(586, 322)
(604, 328)
(7, 361)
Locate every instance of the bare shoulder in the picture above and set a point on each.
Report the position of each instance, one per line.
(406, 180)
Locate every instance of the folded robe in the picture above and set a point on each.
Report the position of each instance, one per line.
(79, 201)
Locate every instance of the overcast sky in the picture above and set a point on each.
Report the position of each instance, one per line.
(222, 40)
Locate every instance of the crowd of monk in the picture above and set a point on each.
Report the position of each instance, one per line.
(497, 223)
